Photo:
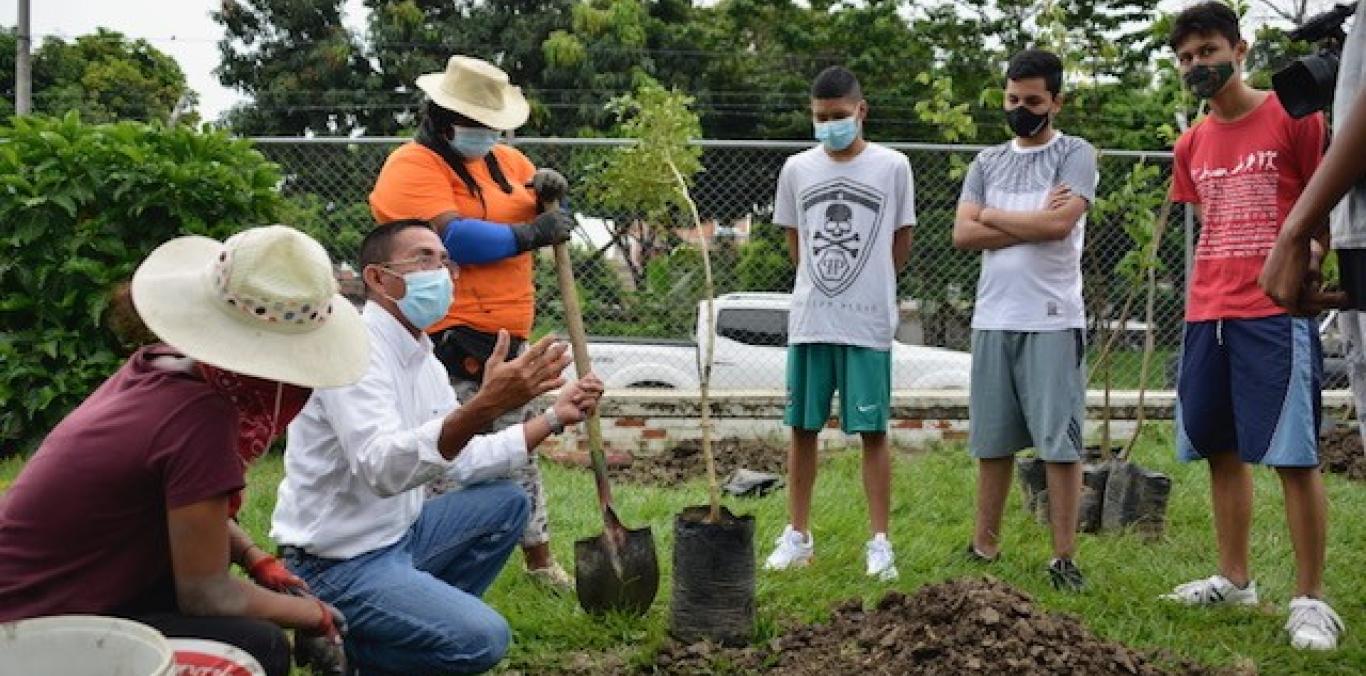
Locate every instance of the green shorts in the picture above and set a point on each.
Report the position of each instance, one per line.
(862, 375)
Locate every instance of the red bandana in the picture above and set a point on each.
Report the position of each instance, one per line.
(264, 409)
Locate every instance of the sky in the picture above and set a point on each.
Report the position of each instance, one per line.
(183, 29)
(180, 28)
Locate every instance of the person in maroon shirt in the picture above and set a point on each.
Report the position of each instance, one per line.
(126, 508)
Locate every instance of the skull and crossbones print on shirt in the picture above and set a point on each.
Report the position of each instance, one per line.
(841, 217)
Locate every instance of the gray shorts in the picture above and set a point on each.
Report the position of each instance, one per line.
(1028, 390)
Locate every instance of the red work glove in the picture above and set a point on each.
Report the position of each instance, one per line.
(333, 624)
(273, 575)
(322, 650)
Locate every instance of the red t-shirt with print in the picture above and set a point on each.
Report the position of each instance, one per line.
(83, 528)
(1245, 175)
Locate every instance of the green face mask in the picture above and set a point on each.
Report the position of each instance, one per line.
(1206, 80)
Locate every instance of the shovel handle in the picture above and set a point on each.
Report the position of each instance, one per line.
(578, 341)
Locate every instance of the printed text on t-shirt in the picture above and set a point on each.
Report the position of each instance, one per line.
(1241, 218)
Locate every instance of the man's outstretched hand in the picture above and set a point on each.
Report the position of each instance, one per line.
(511, 384)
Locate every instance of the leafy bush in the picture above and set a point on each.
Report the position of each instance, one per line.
(339, 228)
(82, 206)
(764, 263)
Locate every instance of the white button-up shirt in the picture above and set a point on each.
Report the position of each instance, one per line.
(357, 457)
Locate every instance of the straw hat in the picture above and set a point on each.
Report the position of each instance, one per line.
(478, 90)
(264, 303)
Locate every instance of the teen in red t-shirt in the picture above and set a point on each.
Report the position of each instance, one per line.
(1248, 391)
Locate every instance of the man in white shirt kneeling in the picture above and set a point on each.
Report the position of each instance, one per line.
(351, 518)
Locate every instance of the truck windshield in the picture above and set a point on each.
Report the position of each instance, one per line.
(753, 326)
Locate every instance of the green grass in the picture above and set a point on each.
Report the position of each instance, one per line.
(932, 514)
(1126, 364)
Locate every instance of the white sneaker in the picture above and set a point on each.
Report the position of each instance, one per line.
(881, 559)
(552, 577)
(1213, 591)
(794, 550)
(1313, 625)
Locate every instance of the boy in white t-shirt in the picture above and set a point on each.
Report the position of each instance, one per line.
(848, 206)
(1023, 206)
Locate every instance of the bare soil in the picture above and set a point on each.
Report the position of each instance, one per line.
(684, 462)
(1340, 452)
(963, 626)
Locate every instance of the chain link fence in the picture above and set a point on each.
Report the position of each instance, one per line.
(640, 283)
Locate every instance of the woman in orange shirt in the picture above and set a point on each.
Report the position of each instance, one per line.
(484, 199)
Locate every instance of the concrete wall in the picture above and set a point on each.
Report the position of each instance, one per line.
(643, 422)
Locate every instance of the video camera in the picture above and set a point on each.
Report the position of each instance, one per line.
(1306, 86)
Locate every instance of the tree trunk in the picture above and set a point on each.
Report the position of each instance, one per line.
(709, 347)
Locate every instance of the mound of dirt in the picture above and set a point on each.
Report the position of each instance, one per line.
(1340, 452)
(959, 627)
(684, 462)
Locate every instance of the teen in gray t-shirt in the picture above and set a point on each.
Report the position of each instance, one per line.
(1032, 286)
(846, 214)
(848, 206)
(1023, 206)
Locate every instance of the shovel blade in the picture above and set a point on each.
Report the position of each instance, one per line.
(616, 571)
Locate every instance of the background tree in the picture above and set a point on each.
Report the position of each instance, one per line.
(104, 77)
(408, 38)
(748, 63)
(1293, 12)
(82, 206)
(305, 72)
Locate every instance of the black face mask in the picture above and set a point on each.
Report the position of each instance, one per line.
(1206, 80)
(1025, 122)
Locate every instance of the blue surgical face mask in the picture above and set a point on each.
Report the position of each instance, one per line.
(838, 134)
(473, 143)
(428, 297)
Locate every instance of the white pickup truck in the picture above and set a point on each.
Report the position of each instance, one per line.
(751, 353)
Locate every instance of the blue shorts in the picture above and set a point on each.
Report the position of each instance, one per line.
(1250, 385)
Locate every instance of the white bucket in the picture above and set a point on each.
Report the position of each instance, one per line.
(83, 645)
(201, 657)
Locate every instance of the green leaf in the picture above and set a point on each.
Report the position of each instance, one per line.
(82, 207)
(66, 203)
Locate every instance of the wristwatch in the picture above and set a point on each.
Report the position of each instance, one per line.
(553, 420)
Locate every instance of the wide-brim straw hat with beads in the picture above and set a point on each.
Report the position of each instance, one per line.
(264, 303)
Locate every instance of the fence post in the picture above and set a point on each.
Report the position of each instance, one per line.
(23, 65)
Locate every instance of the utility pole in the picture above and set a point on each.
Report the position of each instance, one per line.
(23, 68)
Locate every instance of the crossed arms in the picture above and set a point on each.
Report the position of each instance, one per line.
(978, 228)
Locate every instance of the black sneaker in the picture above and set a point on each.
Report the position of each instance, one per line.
(1066, 576)
(977, 557)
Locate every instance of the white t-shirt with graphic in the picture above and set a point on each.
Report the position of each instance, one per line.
(1032, 286)
(846, 214)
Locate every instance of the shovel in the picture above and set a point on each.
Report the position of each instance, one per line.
(616, 569)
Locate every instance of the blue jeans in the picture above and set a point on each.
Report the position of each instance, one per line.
(413, 607)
